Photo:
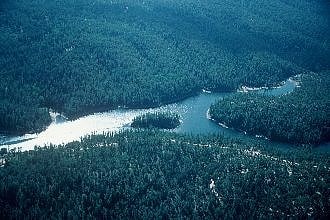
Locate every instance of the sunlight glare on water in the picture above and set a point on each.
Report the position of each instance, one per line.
(192, 112)
(58, 133)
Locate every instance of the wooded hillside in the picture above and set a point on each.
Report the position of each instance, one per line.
(302, 116)
(84, 56)
(155, 175)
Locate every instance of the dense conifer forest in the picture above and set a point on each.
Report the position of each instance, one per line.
(77, 57)
(302, 116)
(162, 120)
(83, 56)
(155, 175)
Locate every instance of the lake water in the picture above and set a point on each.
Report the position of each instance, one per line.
(193, 113)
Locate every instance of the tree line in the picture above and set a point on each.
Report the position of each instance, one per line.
(151, 174)
(83, 56)
(163, 120)
(302, 116)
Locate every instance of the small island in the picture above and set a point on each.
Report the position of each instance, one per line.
(162, 120)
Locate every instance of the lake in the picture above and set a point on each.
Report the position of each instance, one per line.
(193, 113)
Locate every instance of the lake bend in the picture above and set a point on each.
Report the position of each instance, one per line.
(193, 114)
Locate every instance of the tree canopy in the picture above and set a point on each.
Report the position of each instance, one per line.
(302, 116)
(84, 56)
(165, 120)
(151, 175)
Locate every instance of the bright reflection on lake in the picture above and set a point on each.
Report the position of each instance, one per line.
(193, 113)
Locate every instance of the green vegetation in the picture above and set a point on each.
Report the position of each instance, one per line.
(82, 56)
(3, 151)
(302, 116)
(154, 175)
(20, 119)
(164, 120)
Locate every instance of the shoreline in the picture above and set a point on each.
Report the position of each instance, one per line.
(121, 110)
(107, 108)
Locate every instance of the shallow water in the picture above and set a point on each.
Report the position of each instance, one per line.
(193, 113)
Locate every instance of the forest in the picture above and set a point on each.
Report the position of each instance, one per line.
(301, 117)
(78, 57)
(82, 56)
(149, 174)
(162, 120)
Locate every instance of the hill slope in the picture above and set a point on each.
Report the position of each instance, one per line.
(302, 116)
(84, 56)
(148, 175)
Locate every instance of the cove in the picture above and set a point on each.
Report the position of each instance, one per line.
(193, 113)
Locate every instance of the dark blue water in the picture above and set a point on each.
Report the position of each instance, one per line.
(193, 113)
(195, 120)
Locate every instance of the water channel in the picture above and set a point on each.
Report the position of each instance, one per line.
(193, 113)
